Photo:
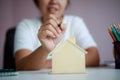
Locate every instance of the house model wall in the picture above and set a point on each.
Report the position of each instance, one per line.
(68, 58)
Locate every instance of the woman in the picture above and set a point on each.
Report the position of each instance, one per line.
(36, 38)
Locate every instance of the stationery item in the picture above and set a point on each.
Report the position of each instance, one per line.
(8, 72)
(119, 27)
(59, 25)
(111, 34)
(116, 29)
(115, 33)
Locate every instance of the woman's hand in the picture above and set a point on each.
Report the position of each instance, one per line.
(50, 33)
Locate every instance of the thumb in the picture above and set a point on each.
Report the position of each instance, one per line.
(63, 27)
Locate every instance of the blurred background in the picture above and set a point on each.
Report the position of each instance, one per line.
(97, 14)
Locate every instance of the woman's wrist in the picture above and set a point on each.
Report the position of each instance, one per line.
(44, 50)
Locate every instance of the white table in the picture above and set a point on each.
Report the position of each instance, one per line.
(98, 73)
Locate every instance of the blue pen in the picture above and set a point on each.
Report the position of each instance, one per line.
(116, 29)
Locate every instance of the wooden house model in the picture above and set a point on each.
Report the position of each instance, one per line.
(68, 58)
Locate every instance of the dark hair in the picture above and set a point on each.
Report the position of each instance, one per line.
(37, 2)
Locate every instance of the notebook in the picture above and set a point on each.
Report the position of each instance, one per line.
(8, 72)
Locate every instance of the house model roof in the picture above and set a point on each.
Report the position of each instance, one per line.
(72, 42)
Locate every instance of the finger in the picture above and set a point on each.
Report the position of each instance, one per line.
(54, 24)
(51, 17)
(63, 27)
(47, 33)
(40, 33)
(52, 29)
(54, 18)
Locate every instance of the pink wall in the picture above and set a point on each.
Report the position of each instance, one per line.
(6, 21)
(98, 15)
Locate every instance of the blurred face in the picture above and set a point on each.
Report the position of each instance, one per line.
(55, 7)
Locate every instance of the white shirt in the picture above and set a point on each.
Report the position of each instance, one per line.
(26, 35)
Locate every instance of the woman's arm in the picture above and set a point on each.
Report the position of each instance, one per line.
(26, 60)
(49, 35)
(37, 59)
(92, 57)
